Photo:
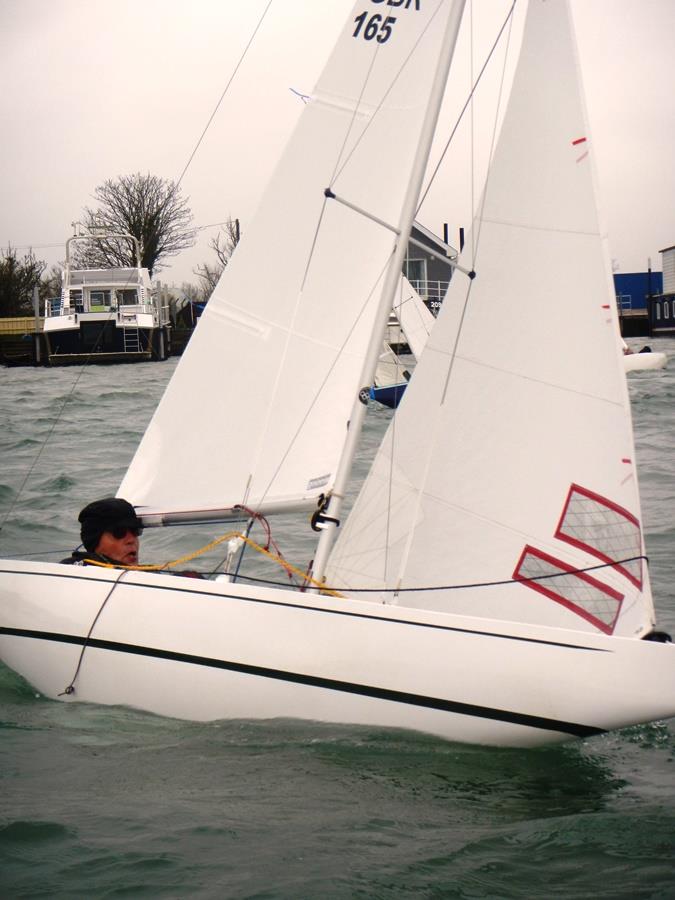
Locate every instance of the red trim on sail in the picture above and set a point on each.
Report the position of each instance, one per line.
(598, 552)
(579, 141)
(549, 588)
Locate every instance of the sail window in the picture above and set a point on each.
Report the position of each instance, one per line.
(579, 592)
(603, 529)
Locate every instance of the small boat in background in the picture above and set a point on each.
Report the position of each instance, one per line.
(642, 360)
(410, 324)
(106, 315)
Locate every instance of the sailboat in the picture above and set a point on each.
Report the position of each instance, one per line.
(410, 322)
(490, 584)
(644, 360)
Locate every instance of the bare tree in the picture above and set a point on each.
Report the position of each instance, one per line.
(52, 283)
(18, 277)
(223, 245)
(149, 208)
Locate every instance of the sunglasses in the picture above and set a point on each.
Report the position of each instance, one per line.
(120, 531)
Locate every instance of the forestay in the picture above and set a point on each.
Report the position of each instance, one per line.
(258, 408)
(511, 455)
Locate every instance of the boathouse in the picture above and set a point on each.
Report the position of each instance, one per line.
(662, 305)
(633, 290)
(427, 265)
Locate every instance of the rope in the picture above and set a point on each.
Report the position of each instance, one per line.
(222, 96)
(465, 107)
(274, 557)
(71, 687)
(484, 584)
(335, 592)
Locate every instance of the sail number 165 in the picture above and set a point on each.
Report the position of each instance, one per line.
(377, 27)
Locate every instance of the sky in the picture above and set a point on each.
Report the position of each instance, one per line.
(94, 89)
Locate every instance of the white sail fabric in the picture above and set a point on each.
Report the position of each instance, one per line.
(257, 411)
(412, 325)
(389, 368)
(511, 456)
(415, 318)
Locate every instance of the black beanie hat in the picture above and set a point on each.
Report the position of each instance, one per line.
(102, 515)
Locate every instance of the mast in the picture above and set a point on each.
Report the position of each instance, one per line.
(331, 518)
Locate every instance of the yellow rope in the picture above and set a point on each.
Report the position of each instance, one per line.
(214, 543)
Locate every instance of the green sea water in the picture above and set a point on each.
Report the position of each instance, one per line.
(109, 802)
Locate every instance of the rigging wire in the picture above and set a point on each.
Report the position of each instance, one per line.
(328, 374)
(70, 689)
(92, 352)
(197, 145)
(340, 166)
(475, 236)
(288, 567)
(344, 593)
(310, 257)
(479, 218)
(379, 106)
(431, 443)
(222, 96)
(507, 20)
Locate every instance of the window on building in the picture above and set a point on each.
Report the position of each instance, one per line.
(127, 297)
(98, 300)
(415, 271)
(666, 309)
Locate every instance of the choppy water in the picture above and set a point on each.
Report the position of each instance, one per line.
(101, 802)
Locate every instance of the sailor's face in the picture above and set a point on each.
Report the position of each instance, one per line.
(122, 549)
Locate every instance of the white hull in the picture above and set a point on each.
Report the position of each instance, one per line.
(640, 362)
(201, 650)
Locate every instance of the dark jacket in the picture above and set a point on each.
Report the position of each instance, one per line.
(84, 557)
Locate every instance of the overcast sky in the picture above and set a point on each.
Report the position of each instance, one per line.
(93, 89)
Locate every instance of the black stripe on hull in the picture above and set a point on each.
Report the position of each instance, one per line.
(419, 700)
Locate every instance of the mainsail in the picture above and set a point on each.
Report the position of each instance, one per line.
(510, 462)
(258, 409)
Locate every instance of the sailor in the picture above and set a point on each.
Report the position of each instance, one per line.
(110, 530)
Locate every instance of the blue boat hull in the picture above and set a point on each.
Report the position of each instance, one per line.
(390, 395)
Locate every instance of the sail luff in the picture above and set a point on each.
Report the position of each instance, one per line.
(392, 281)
